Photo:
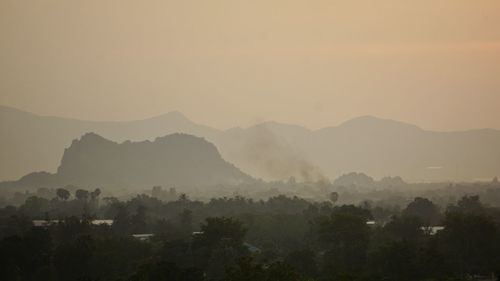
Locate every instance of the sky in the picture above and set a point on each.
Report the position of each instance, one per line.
(225, 63)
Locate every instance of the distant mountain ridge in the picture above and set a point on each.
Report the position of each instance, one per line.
(173, 160)
(271, 150)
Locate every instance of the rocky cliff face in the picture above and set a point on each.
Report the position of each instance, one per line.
(178, 159)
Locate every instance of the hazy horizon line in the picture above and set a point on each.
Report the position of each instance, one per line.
(254, 124)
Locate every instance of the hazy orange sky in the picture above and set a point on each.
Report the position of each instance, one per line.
(234, 63)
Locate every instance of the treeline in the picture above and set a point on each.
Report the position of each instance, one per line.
(230, 239)
(351, 188)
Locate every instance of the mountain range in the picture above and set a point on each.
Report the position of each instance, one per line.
(378, 147)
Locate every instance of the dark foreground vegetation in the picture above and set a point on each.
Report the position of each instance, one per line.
(229, 239)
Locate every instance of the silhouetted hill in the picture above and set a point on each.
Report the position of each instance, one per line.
(377, 147)
(177, 159)
(36, 143)
(360, 180)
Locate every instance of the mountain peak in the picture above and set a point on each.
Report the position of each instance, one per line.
(172, 115)
(91, 138)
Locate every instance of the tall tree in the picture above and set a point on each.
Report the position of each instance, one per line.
(63, 194)
(424, 209)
